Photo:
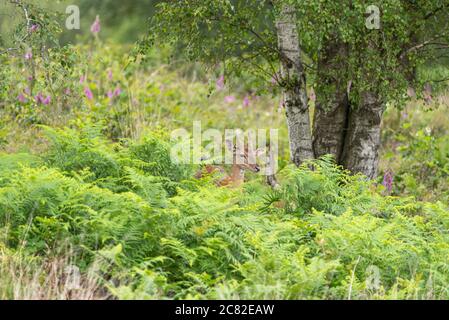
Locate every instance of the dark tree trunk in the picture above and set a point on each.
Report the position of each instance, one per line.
(350, 133)
(361, 150)
(330, 126)
(294, 86)
(332, 106)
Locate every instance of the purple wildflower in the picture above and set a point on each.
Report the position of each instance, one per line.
(95, 28)
(34, 28)
(67, 91)
(88, 93)
(39, 98)
(28, 55)
(388, 181)
(117, 92)
(110, 94)
(27, 91)
(82, 79)
(229, 99)
(404, 115)
(220, 83)
(110, 76)
(46, 101)
(246, 101)
(21, 98)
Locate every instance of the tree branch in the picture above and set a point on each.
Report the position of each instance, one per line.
(24, 8)
(434, 12)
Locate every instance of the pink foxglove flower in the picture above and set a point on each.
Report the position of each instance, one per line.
(220, 83)
(39, 98)
(88, 93)
(246, 101)
(229, 99)
(34, 28)
(67, 91)
(21, 98)
(388, 181)
(117, 92)
(96, 27)
(28, 55)
(46, 101)
(110, 94)
(404, 115)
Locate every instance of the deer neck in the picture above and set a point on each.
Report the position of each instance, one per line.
(237, 175)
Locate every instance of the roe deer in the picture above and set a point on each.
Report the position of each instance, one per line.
(240, 164)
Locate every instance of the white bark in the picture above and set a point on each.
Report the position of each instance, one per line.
(294, 86)
(361, 152)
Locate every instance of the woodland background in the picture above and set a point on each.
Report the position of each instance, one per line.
(92, 206)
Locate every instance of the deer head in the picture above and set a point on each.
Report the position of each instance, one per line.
(242, 161)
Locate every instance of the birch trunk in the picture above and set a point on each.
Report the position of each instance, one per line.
(361, 151)
(294, 86)
(330, 127)
(330, 119)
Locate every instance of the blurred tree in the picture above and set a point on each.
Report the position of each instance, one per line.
(121, 21)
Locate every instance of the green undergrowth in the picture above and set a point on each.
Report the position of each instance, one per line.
(154, 232)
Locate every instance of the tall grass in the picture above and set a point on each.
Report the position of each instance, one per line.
(25, 277)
